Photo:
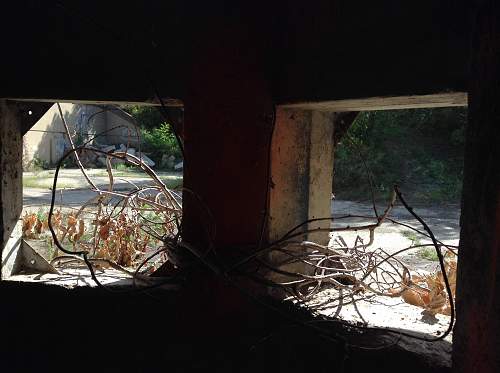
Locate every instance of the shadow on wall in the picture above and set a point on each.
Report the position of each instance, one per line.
(46, 142)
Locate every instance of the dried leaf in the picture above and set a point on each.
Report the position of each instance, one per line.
(104, 231)
(416, 296)
(39, 227)
(433, 297)
(79, 231)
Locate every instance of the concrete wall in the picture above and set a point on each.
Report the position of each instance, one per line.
(301, 172)
(126, 131)
(301, 179)
(289, 193)
(10, 185)
(47, 141)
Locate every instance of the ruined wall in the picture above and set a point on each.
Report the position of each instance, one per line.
(126, 131)
(11, 198)
(301, 172)
(47, 141)
(301, 179)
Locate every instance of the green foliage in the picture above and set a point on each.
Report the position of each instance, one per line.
(37, 164)
(31, 182)
(157, 136)
(421, 150)
(44, 182)
(147, 116)
(412, 236)
(121, 167)
(159, 141)
(79, 139)
(69, 162)
(42, 214)
(154, 217)
(428, 253)
(458, 136)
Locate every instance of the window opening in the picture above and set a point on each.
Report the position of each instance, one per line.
(385, 271)
(117, 173)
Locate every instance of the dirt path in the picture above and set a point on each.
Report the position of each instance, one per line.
(74, 189)
(380, 311)
(377, 311)
(73, 178)
(443, 221)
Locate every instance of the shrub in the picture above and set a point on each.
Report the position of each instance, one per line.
(122, 167)
(147, 117)
(428, 253)
(421, 150)
(157, 136)
(159, 141)
(37, 164)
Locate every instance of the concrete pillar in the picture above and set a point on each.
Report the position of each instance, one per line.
(301, 180)
(476, 340)
(11, 196)
(301, 172)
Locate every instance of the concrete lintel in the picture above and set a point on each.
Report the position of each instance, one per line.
(170, 102)
(445, 99)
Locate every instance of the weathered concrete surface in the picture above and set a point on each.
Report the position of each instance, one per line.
(301, 178)
(46, 140)
(34, 258)
(446, 99)
(289, 189)
(301, 172)
(477, 333)
(11, 193)
(320, 173)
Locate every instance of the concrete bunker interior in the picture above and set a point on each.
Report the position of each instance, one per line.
(237, 70)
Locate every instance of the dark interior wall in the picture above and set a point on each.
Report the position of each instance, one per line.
(52, 329)
(92, 49)
(314, 50)
(227, 129)
(477, 337)
(350, 49)
(299, 50)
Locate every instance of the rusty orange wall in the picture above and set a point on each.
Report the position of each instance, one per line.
(227, 128)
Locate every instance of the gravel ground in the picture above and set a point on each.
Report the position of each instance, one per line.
(378, 311)
(442, 220)
(394, 312)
